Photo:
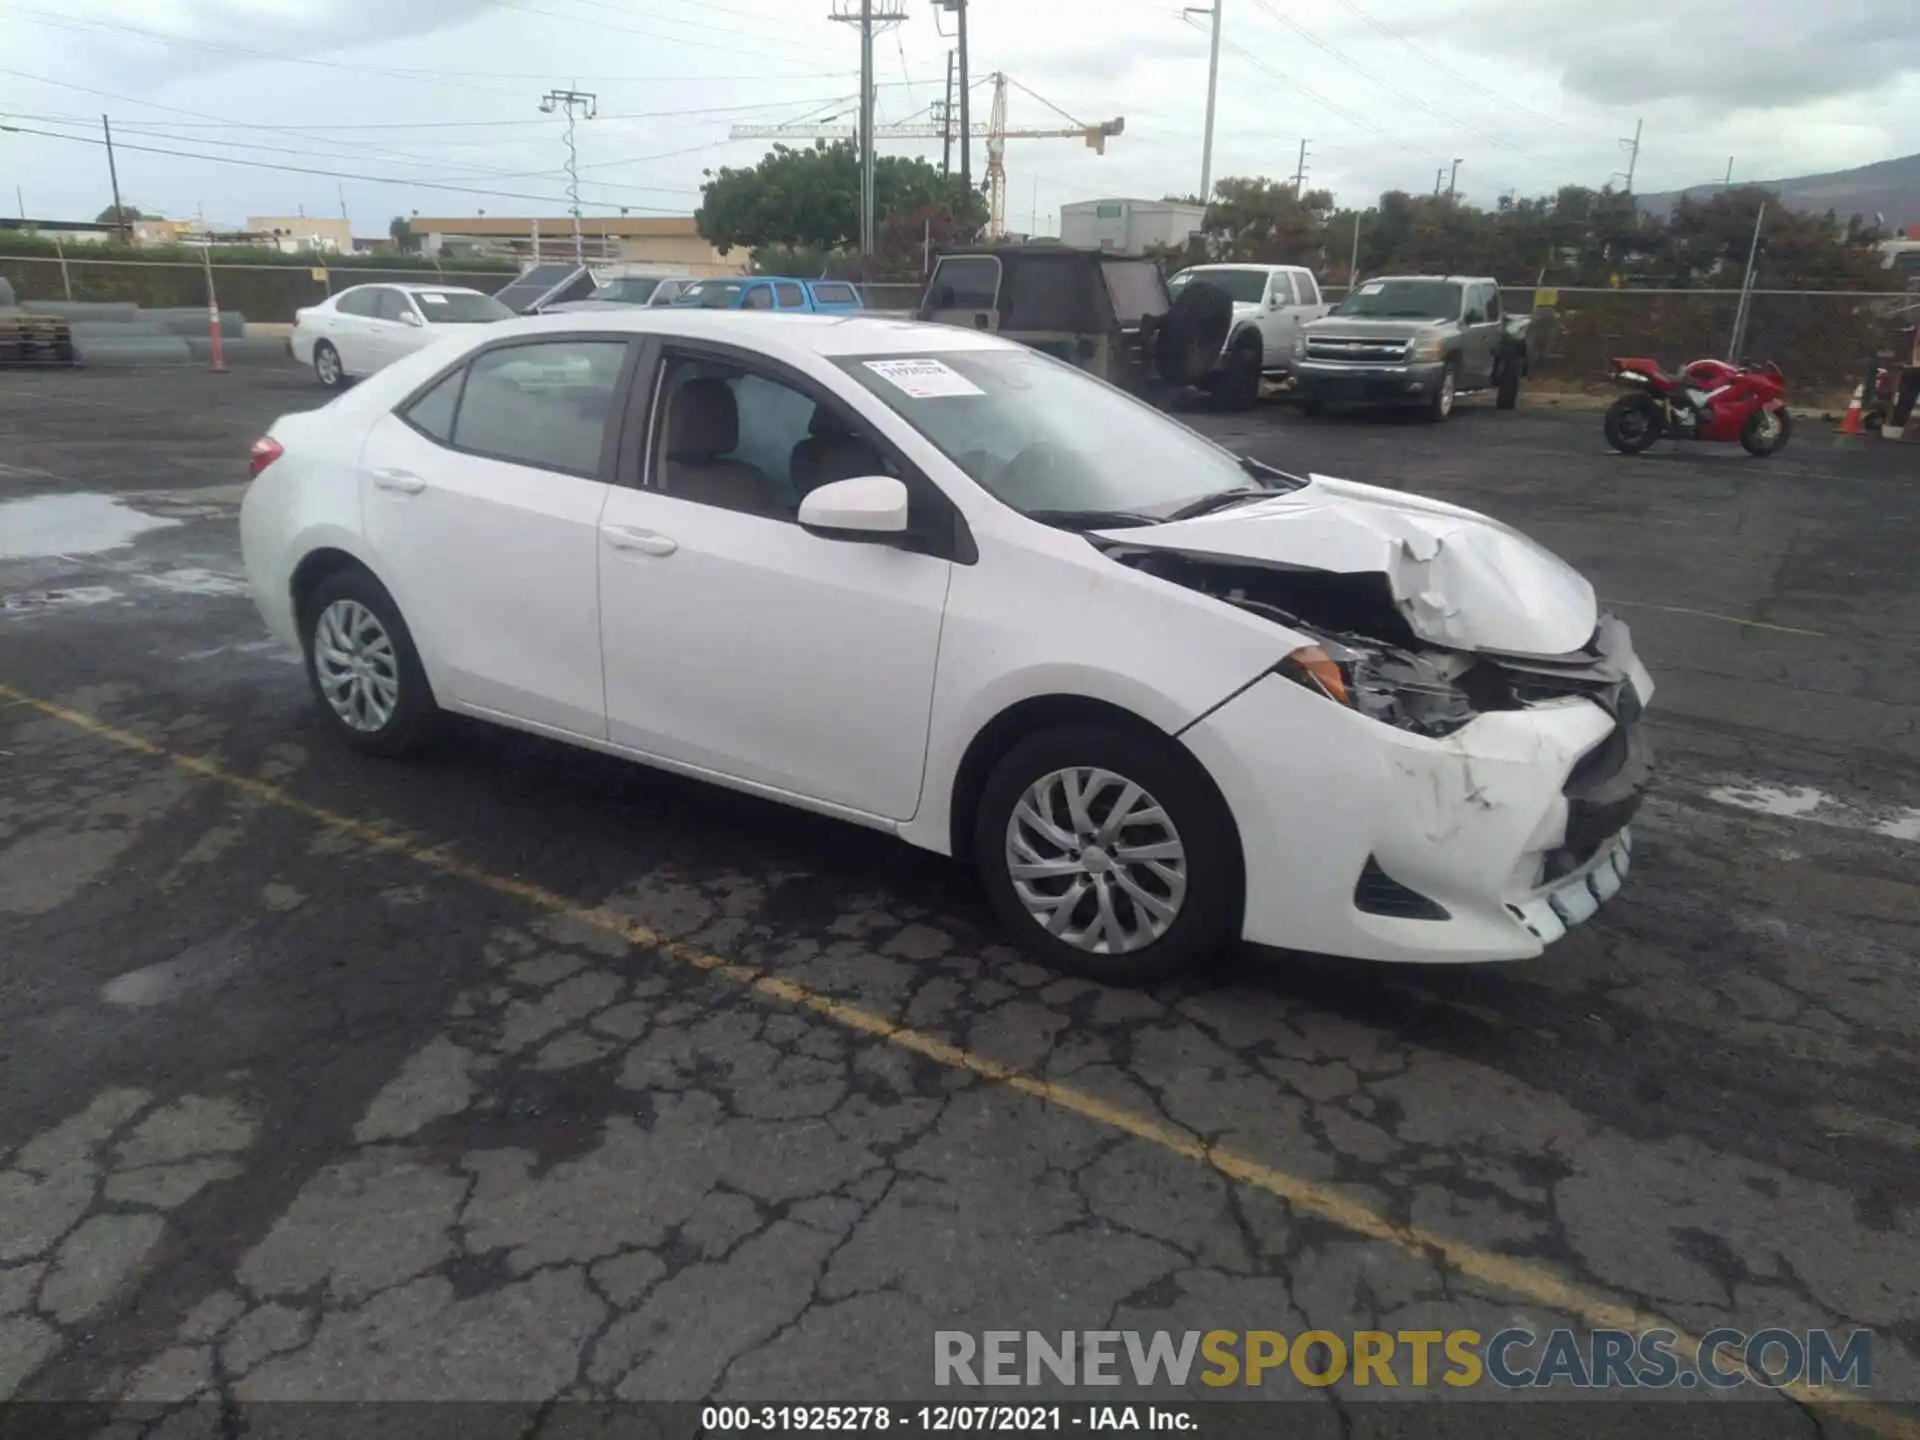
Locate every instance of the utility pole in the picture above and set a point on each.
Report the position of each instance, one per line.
(868, 14)
(946, 122)
(1439, 178)
(574, 103)
(1632, 147)
(113, 174)
(1213, 93)
(342, 190)
(1300, 173)
(1729, 179)
(1453, 180)
(966, 108)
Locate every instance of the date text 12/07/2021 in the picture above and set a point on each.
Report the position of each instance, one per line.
(945, 1419)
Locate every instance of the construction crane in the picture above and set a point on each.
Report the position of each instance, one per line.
(995, 132)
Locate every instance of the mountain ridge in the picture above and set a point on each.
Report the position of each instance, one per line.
(1886, 187)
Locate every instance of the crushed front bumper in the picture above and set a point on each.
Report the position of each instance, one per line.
(1368, 841)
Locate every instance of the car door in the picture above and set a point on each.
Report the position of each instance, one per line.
(964, 290)
(1480, 336)
(395, 329)
(737, 642)
(348, 326)
(1279, 320)
(481, 499)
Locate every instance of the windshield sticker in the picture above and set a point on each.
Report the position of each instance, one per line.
(1373, 287)
(430, 297)
(923, 379)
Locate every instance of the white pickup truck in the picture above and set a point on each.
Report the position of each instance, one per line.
(1270, 304)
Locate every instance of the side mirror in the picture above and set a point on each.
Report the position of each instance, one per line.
(1474, 317)
(865, 505)
(1274, 302)
(409, 317)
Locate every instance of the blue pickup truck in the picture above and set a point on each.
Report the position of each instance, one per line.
(771, 292)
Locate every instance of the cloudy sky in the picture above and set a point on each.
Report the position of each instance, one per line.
(392, 106)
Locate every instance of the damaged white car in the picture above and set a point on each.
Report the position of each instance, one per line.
(935, 583)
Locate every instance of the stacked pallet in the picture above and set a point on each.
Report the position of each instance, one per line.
(27, 339)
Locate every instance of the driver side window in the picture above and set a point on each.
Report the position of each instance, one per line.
(741, 440)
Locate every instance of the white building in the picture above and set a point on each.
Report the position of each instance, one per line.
(1128, 227)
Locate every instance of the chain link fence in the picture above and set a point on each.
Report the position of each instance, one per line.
(1822, 339)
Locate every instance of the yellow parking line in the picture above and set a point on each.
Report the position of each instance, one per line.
(1517, 1277)
(1711, 615)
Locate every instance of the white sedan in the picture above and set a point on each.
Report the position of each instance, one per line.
(929, 581)
(368, 327)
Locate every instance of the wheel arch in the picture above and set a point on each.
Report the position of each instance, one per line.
(315, 567)
(1029, 716)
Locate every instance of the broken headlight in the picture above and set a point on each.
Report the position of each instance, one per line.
(1404, 689)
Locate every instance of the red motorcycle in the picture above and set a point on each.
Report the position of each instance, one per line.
(1709, 400)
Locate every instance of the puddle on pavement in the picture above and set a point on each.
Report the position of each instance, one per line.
(1806, 803)
(47, 599)
(41, 526)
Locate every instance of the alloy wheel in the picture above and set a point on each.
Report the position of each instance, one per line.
(1446, 393)
(354, 661)
(327, 363)
(1096, 860)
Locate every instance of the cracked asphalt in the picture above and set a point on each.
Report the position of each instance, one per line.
(517, 1073)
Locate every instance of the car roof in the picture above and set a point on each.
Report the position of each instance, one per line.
(414, 287)
(769, 332)
(1241, 265)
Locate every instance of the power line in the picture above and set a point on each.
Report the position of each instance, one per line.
(1446, 69)
(644, 34)
(334, 174)
(698, 25)
(1388, 85)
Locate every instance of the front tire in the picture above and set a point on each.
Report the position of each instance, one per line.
(1632, 424)
(364, 668)
(327, 368)
(1441, 406)
(1757, 437)
(1108, 853)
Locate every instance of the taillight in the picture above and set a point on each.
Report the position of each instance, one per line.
(265, 451)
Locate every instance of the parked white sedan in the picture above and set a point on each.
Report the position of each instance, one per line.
(932, 582)
(368, 327)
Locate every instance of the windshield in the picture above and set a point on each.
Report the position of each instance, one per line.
(460, 307)
(628, 289)
(1403, 300)
(1049, 440)
(712, 294)
(1244, 287)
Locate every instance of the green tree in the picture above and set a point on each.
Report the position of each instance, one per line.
(1266, 222)
(124, 215)
(811, 197)
(400, 230)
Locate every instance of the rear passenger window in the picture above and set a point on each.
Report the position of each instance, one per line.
(543, 405)
(760, 297)
(790, 297)
(968, 282)
(432, 413)
(1308, 287)
(834, 294)
(356, 302)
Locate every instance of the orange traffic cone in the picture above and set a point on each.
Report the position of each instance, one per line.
(1852, 424)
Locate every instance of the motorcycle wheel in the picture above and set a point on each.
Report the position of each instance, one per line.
(1632, 424)
(1766, 432)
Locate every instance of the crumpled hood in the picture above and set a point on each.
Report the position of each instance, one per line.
(1462, 580)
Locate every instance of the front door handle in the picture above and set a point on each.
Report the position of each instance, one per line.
(648, 542)
(404, 482)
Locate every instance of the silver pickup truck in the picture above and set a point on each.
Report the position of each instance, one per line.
(1417, 341)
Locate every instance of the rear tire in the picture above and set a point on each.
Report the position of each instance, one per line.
(364, 668)
(1507, 397)
(1238, 386)
(327, 368)
(1632, 424)
(1754, 439)
(1178, 852)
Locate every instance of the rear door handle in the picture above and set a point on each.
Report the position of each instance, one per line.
(404, 482)
(648, 542)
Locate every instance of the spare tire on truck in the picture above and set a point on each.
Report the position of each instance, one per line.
(1191, 335)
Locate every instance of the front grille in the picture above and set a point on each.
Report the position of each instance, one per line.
(1378, 893)
(1356, 352)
